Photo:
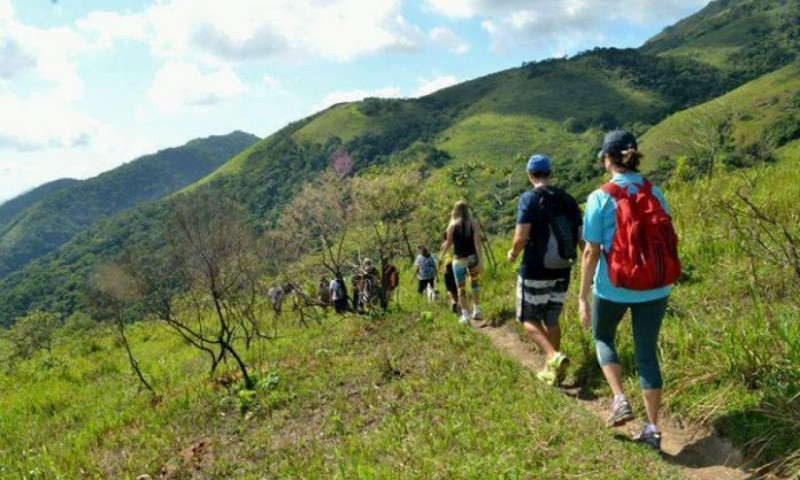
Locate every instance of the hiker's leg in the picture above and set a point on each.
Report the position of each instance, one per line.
(532, 316)
(540, 337)
(606, 316)
(646, 320)
(555, 305)
(553, 333)
(460, 272)
(474, 280)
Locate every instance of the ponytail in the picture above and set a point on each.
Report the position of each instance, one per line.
(629, 159)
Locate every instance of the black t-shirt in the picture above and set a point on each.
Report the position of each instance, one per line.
(530, 210)
(464, 241)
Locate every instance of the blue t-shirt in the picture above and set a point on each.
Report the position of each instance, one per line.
(599, 225)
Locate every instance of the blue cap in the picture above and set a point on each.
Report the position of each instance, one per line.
(539, 164)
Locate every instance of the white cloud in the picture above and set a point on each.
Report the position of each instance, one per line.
(47, 116)
(355, 96)
(179, 84)
(428, 86)
(446, 38)
(270, 81)
(40, 122)
(239, 30)
(6, 11)
(102, 29)
(519, 23)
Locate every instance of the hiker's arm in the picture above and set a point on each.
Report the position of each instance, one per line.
(448, 242)
(591, 256)
(521, 234)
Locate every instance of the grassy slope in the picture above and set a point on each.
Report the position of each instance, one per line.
(344, 121)
(722, 29)
(356, 398)
(753, 110)
(717, 46)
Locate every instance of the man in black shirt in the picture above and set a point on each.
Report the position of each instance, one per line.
(548, 230)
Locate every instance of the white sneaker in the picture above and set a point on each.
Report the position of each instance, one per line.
(476, 314)
(464, 320)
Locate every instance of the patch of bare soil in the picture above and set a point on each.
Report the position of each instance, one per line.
(701, 455)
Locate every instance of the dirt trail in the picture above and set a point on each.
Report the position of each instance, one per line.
(701, 456)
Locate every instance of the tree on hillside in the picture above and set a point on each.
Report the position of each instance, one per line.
(32, 333)
(318, 220)
(112, 296)
(385, 204)
(216, 254)
(702, 134)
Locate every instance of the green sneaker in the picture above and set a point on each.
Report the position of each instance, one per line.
(559, 364)
(548, 376)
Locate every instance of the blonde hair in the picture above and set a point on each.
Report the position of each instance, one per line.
(461, 217)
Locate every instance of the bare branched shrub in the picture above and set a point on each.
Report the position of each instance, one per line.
(759, 232)
(112, 296)
(216, 255)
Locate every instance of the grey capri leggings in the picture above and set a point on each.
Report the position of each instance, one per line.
(647, 319)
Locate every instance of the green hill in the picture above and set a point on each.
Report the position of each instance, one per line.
(751, 37)
(58, 217)
(741, 128)
(17, 205)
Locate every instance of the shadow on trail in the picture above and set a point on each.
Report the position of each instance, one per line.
(710, 451)
(588, 376)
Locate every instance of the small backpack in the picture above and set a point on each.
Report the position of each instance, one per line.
(428, 267)
(560, 249)
(644, 251)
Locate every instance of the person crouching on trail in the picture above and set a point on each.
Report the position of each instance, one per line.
(548, 231)
(464, 235)
(630, 263)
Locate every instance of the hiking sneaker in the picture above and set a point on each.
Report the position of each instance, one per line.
(476, 313)
(621, 413)
(559, 364)
(548, 375)
(464, 319)
(651, 439)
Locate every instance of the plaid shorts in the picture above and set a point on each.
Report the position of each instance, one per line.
(541, 300)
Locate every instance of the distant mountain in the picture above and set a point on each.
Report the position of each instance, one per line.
(58, 217)
(17, 205)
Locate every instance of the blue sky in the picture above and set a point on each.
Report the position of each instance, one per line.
(86, 85)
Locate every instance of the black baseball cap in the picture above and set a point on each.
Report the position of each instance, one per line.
(617, 143)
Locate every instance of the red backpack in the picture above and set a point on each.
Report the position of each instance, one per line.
(644, 252)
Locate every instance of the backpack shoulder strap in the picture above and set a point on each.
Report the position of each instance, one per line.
(614, 190)
(647, 186)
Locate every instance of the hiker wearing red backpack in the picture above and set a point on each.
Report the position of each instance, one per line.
(631, 258)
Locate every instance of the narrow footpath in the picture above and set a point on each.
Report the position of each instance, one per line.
(701, 456)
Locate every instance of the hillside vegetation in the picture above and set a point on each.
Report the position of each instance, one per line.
(17, 205)
(58, 217)
(744, 37)
(741, 128)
